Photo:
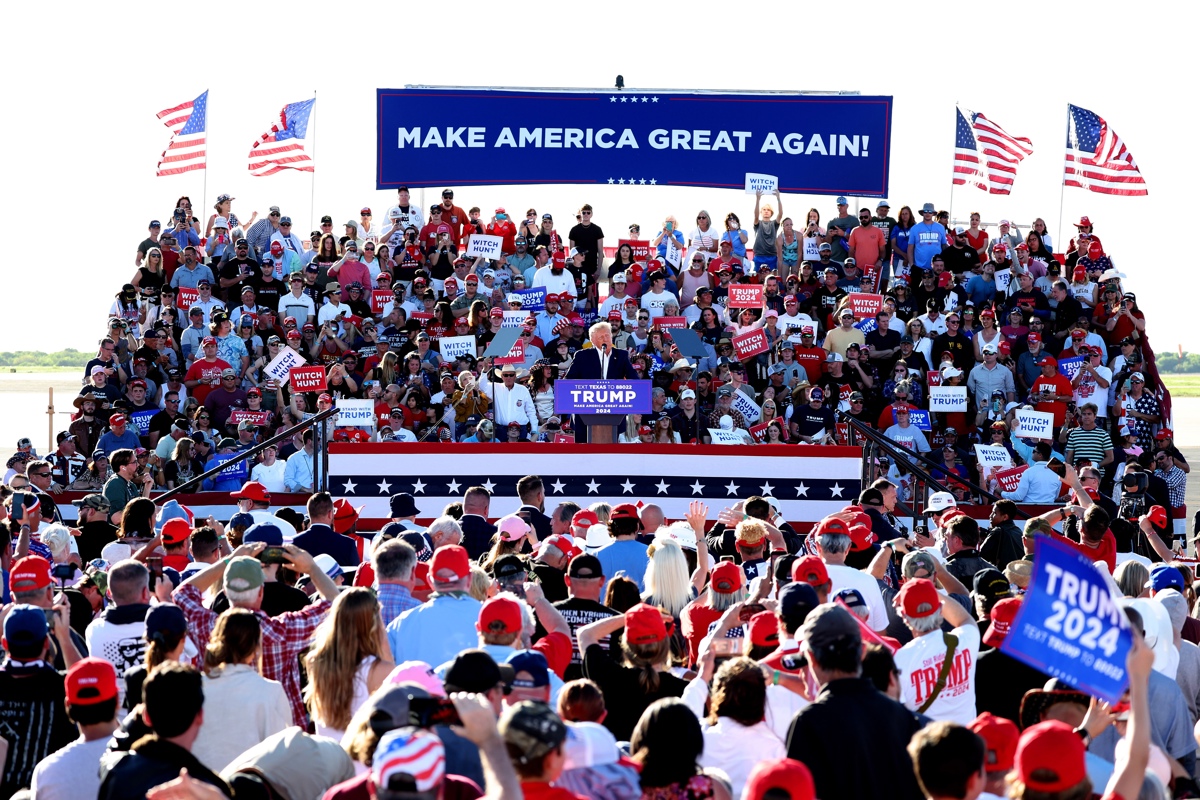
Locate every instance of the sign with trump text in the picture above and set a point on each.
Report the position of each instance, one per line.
(601, 397)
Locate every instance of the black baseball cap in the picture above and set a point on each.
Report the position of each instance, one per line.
(477, 672)
(585, 566)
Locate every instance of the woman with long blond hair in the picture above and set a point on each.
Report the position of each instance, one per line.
(234, 690)
(349, 660)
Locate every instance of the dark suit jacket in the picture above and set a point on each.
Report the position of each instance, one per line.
(477, 535)
(586, 366)
(539, 521)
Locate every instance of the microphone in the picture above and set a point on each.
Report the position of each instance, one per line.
(604, 347)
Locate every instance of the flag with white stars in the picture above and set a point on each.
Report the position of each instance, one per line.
(1097, 158)
(985, 155)
(810, 483)
(282, 147)
(188, 150)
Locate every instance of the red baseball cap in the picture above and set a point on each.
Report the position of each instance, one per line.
(503, 610)
(1079, 273)
(497, 312)
(1078, 333)
(252, 490)
(421, 577)
(344, 515)
(644, 624)
(783, 774)
(1095, 249)
(1050, 361)
(987, 312)
(763, 629)
(207, 340)
(810, 570)
(585, 518)
(727, 578)
(1050, 749)
(1000, 737)
(1035, 338)
(1003, 614)
(1163, 433)
(1158, 516)
(861, 537)
(1005, 348)
(918, 598)
(471, 276)
(835, 526)
(276, 248)
(614, 316)
(625, 511)
(116, 419)
(450, 558)
(791, 298)
(176, 530)
(29, 574)
(91, 680)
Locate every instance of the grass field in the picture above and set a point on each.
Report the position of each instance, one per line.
(1185, 385)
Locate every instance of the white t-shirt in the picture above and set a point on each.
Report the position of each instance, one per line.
(271, 477)
(70, 773)
(655, 301)
(844, 577)
(1088, 391)
(563, 282)
(290, 300)
(920, 662)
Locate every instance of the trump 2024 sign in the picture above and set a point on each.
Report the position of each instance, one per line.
(815, 144)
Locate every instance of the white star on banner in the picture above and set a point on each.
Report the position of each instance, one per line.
(697, 487)
(349, 487)
(645, 100)
(662, 486)
(653, 182)
(731, 488)
(642, 181)
(802, 491)
(452, 487)
(627, 486)
(610, 180)
(489, 485)
(592, 486)
(621, 180)
(612, 99)
(836, 491)
(622, 99)
(384, 486)
(419, 487)
(557, 486)
(767, 488)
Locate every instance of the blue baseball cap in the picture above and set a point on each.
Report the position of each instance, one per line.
(241, 520)
(165, 618)
(155, 223)
(795, 601)
(533, 663)
(25, 631)
(852, 598)
(267, 532)
(842, 201)
(1163, 577)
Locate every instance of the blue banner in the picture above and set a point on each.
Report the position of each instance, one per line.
(240, 470)
(814, 144)
(918, 418)
(1069, 366)
(602, 397)
(1070, 626)
(531, 299)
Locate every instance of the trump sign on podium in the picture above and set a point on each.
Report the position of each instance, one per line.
(601, 397)
(816, 144)
(1070, 625)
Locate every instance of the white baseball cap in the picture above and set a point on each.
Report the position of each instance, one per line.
(940, 501)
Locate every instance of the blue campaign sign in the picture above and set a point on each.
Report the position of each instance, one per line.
(815, 144)
(1069, 625)
(141, 420)
(531, 299)
(602, 397)
(239, 470)
(918, 418)
(1070, 366)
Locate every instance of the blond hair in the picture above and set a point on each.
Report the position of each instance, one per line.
(348, 634)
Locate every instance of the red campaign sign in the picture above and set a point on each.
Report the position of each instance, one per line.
(873, 274)
(640, 247)
(1009, 478)
(185, 298)
(245, 415)
(933, 377)
(844, 392)
(842, 433)
(759, 431)
(866, 306)
(516, 354)
(750, 344)
(307, 379)
(422, 316)
(559, 259)
(743, 295)
(564, 438)
(380, 298)
(663, 323)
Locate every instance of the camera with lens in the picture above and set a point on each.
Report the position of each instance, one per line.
(1134, 501)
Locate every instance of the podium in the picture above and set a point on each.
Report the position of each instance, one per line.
(601, 405)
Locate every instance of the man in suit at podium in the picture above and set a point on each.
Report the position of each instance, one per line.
(601, 361)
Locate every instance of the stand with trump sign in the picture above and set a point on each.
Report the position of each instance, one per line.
(1070, 625)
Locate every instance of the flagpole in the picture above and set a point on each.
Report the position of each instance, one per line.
(312, 193)
(207, 150)
(952, 166)
(1062, 188)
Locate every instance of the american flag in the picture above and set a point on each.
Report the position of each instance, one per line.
(985, 155)
(1097, 158)
(187, 150)
(282, 147)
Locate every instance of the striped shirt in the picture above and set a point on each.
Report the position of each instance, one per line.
(1089, 444)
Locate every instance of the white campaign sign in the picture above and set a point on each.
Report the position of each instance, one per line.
(992, 455)
(1003, 279)
(355, 414)
(948, 398)
(758, 182)
(451, 347)
(725, 437)
(483, 245)
(1035, 424)
(282, 364)
(812, 249)
(514, 319)
(750, 409)
(674, 254)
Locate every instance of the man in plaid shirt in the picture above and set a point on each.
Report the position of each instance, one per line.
(284, 636)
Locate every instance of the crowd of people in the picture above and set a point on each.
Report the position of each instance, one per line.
(568, 652)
